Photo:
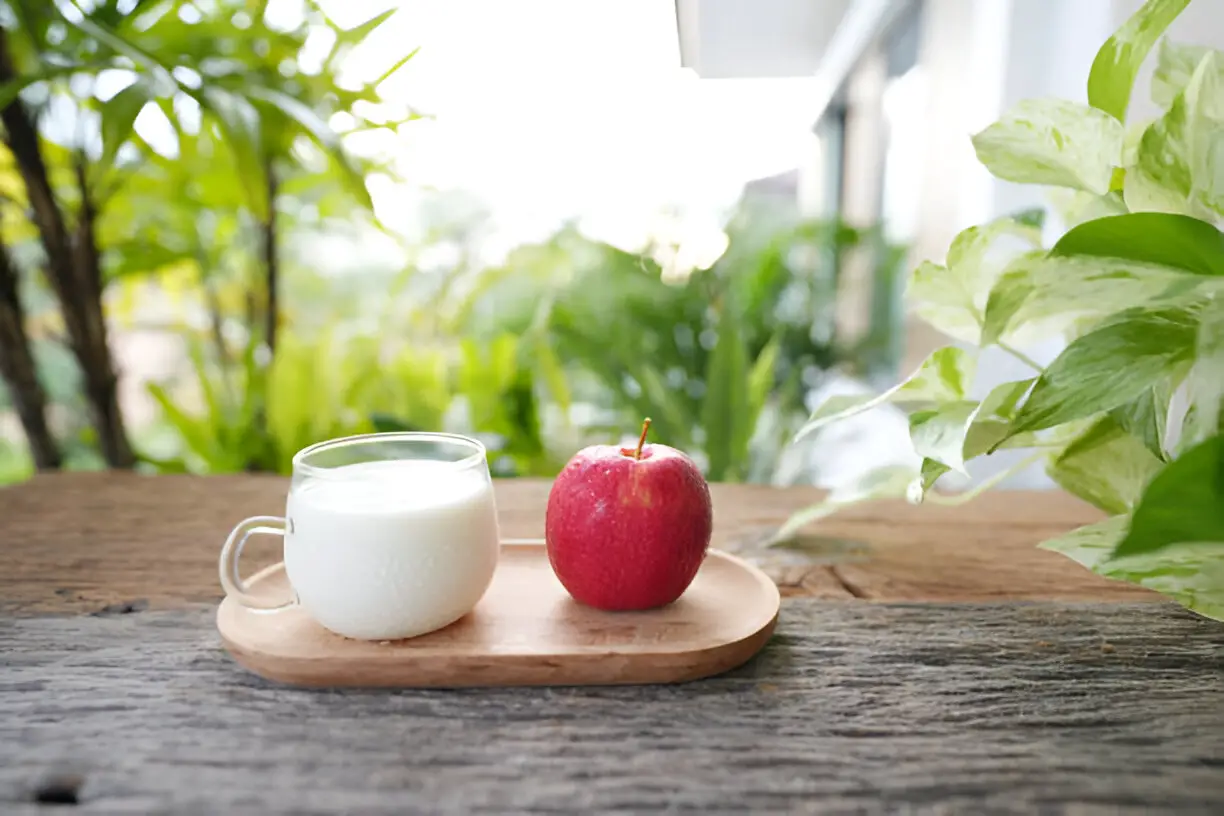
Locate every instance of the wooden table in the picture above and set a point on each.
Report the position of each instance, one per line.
(927, 659)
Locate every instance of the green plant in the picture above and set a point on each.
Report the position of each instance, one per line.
(680, 353)
(251, 134)
(1128, 416)
(333, 385)
(708, 355)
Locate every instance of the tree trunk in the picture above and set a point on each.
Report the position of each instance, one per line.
(74, 272)
(20, 373)
(271, 258)
(263, 457)
(101, 382)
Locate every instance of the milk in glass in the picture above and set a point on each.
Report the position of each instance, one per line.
(391, 549)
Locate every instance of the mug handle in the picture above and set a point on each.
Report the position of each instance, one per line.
(231, 580)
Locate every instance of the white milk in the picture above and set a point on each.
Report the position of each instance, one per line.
(386, 550)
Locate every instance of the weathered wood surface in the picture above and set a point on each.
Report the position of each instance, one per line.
(83, 542)
(1048, 707)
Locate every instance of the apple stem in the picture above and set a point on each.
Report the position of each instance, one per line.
(637, 454)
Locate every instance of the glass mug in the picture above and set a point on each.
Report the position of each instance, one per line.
(386, 535)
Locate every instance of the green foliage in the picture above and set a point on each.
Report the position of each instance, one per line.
(1175, 64)
(1177, 241)
(1177, 164)
(1192, 575)
(1137, 290)
(727, 415)
(955, 296)
(328, 387)
(958, 430)
(191, 218)
(1182, 504)
(709, 356)
(1083, 380)
(1205, 382)
(15, 464)
(1106, 466)
(570, 341)
(1040, 294)
(244, 78)
(942, 377)
(1050, 141)
(1117, 63)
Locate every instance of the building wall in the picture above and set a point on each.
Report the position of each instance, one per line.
(756, 38)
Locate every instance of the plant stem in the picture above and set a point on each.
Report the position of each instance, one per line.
(19, 371)
(1022, 357)
(73, 268)
(637, 454)
(987, 484)
(93, 349)
(271, 259)
(216, 324)
(256, 460)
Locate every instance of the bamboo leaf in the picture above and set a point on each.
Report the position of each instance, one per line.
(356, 34)
(239, 123)
(399, 63)
(321, 133)
(724, 411)
(165, 82)
(118, 117)
(549, 367)
(194, 432)
(32, 18)
(10, 90)
(761, 377)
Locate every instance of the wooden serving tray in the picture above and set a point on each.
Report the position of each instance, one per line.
(526, 631)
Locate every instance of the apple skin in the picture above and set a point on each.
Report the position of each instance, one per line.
(625, 533)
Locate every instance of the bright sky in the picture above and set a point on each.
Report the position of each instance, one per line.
(548, 109)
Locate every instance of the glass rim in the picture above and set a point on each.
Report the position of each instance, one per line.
(478, 455)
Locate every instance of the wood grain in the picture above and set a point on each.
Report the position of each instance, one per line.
(852, 708)
(526, 631)
(89, 542)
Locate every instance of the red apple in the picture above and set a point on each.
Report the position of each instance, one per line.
(628, 528)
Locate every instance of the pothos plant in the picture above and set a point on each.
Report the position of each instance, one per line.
(1128, 416)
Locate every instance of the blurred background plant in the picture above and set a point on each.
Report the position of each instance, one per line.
(247, 159)
(211, 236)
(720, 357)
